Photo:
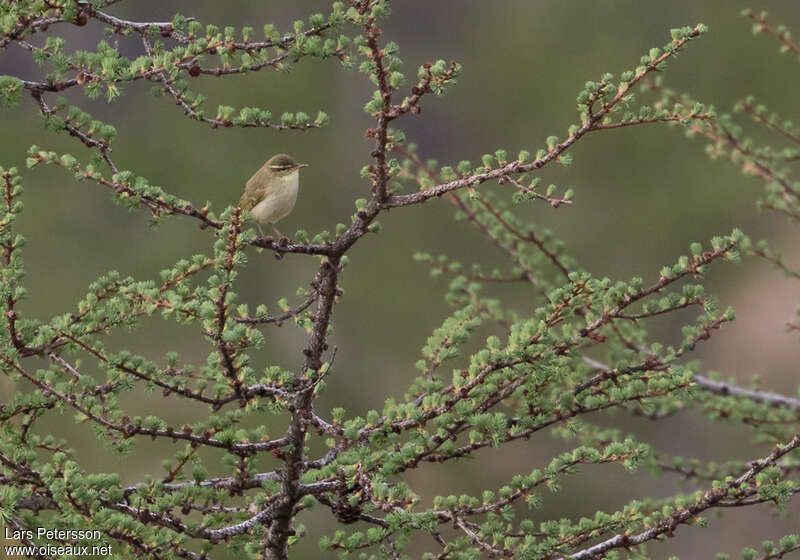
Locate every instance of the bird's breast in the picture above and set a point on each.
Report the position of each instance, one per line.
(278, 203)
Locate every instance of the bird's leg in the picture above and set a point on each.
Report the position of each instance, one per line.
(261, 231)
(279, 234)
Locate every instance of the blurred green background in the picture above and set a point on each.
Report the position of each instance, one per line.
(642, 196)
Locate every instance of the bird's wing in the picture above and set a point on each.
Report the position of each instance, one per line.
(253, 194)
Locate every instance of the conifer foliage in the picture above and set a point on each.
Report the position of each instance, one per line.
(582, 348)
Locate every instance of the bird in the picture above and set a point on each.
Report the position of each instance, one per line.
(270, 194)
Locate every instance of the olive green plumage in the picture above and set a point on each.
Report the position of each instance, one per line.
(258, 185)
(270, 194)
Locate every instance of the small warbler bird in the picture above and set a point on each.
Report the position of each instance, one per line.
(270, 194)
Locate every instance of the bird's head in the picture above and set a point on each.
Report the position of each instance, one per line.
(282, 165)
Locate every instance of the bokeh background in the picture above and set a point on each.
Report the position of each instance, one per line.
(642, 196)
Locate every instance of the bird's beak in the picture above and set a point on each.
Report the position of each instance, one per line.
(299, 165)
